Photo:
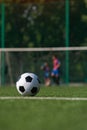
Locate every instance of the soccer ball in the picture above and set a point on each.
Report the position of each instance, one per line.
(28, 84)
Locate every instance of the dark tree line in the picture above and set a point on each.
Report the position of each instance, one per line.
(43, 24)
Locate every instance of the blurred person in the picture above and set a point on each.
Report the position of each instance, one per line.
(55, 71)
(45, 67)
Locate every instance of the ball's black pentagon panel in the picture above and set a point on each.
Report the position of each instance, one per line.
(22, 89)
(34, 90)
(38, 80)
(28, 79)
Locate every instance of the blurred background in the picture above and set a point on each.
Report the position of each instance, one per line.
(43, 24)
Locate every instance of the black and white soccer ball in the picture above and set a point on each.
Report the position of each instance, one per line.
(28, 84)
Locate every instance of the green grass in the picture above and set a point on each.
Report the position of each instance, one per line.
(44, 114)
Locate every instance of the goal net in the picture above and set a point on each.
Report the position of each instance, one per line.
(15, 61)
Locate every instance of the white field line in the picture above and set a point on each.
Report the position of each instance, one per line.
(44, 98)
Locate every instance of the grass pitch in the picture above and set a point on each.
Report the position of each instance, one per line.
(44, 114)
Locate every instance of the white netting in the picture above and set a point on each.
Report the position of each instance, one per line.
(15, 61)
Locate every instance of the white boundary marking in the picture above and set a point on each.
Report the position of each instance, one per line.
(45, 98)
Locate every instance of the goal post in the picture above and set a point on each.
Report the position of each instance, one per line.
(20, 60)
(81, 48)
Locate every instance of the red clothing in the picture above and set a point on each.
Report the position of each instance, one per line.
(55, 64)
